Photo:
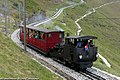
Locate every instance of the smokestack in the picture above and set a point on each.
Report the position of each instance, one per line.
(68, 34)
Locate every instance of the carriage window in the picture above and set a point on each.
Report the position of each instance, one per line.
(39, 35)
(22, 30)
(60, 35)
(27, 31)
(33, 33)
(30, 33)
(36, 35)
(42, 36)
(49, 35)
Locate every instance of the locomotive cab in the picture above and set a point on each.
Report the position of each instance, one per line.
(80, 50)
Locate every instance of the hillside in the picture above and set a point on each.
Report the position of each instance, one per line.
(14, 63)
(104, 24)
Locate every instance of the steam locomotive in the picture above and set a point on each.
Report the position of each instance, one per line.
(74, 51)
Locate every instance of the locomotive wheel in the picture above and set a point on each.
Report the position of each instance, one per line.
(67, 63)
(76, 67)
(83, 69)
(50, 54)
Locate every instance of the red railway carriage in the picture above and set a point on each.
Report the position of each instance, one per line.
(42, 39)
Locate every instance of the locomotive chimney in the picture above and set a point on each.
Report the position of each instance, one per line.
(67, 34)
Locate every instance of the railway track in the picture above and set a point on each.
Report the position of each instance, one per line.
(91, 75)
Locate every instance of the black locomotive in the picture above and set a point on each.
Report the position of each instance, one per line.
(77, 51)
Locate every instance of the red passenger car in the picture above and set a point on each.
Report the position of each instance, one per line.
(42, 39)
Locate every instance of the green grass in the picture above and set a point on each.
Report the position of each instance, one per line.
(14, 63)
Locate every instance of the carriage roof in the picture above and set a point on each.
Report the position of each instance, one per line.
(42, 29)
(81, 37)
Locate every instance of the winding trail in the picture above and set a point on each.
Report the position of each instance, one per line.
(76, 22)
(87, 14)
(90, 12)
(55, 15)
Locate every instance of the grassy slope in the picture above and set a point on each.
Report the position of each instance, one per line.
(47, 5)
(107, 30)
(15, 63)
